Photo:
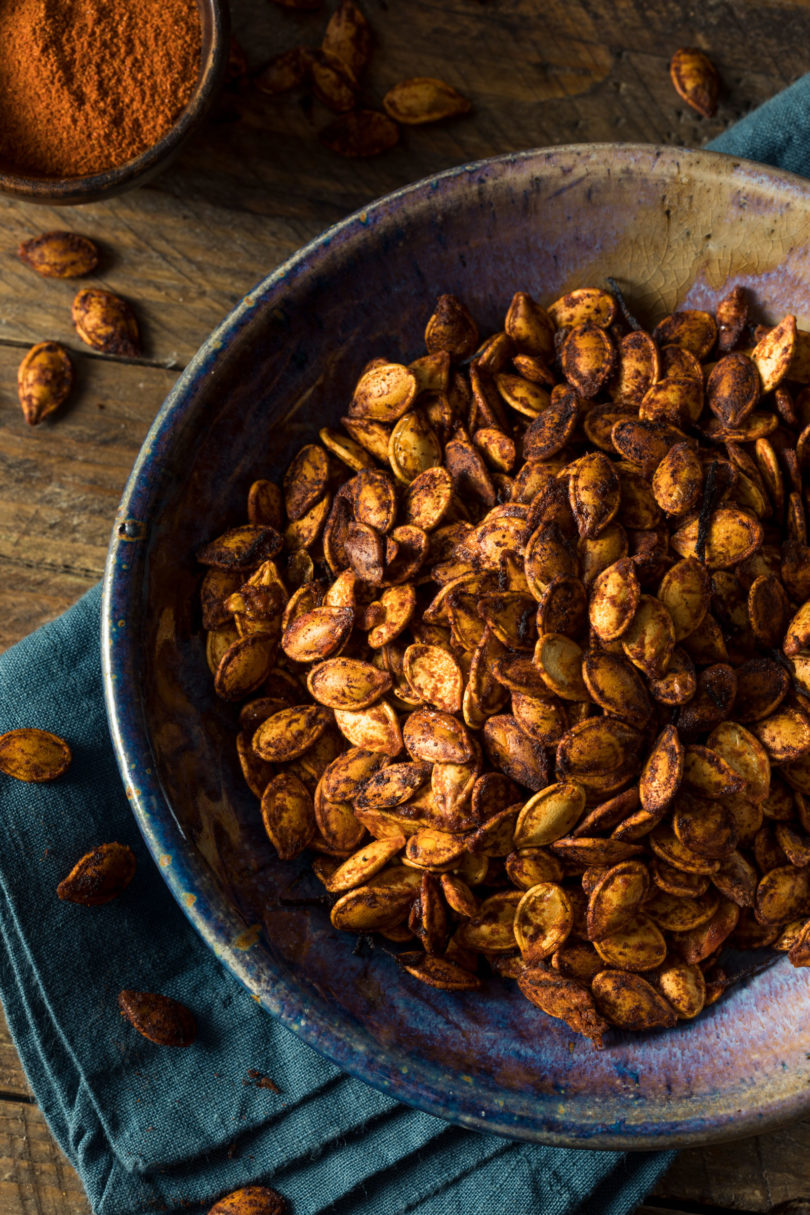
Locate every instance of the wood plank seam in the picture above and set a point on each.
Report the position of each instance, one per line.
(167, 364)
(693, 1208)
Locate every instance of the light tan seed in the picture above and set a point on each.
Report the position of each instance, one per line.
(550, 814)
(797, 634)
(305, 481)
(317, 634)
(492, 930)
(522, 758)
(678, 480)
(245, 666)
(340, 831)
(559, 660)
(617, 687)
(458, 895)
(422, 99)
(44, 381)
(373, 729)
(364, 864)
(413, 448)
(384, 393)
(599, 752)
(106, 322)
(434, 850)
(629, 1001)
(436, 738)
(288, 815)
(685, 591)
(397, 605)
(451, 328)
(586, 304)
(543, 920)
(683, 987)
(439, 972)
(529, 326)
(663, 772)
(594, 493)
(774, 352)
(290, 732)
(351, 452)
(587, 358)
(346, 683)
(543, 717)
(699, 943)
(649, 639)
(614, 599)
(708, 775)
(434, 677)
(637, 946)
(59, 254)
(695, 79)
(371, 908)
(785, 734)
(745, 754)
(29, 754)
(616, 897)
(528, 866)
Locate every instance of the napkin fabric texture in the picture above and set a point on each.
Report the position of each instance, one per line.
(776, 133)
(161, 1129)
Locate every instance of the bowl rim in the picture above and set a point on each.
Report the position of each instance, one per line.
(58, 191)
(184, 870)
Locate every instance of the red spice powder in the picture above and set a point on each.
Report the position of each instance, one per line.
(88, 84)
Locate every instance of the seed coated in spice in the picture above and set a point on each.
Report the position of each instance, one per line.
(548, 594)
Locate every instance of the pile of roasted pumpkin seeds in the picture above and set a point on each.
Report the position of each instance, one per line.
(524, 651)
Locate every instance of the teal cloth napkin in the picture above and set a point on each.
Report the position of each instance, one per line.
(153, 1129)
(776, 133)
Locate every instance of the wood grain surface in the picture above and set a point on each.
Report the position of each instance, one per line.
(254, 186)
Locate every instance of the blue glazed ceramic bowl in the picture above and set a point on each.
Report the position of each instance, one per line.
(672, 227)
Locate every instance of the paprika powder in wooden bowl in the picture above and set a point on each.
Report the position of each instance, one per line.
(97, 95)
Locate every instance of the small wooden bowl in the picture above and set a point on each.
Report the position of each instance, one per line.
(214, 19)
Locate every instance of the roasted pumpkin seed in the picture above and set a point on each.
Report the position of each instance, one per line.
(552, 544)
(30, 754)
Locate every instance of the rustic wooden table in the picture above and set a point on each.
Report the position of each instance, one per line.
(256, 185)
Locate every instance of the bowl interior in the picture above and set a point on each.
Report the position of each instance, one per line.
(673, 228)
(215, 25)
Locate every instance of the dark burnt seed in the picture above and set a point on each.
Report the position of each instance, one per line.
(705, 512)
(164, 1021)
(622, 302)
(100, 876)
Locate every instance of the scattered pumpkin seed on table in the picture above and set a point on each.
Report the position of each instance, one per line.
(523, 654)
